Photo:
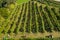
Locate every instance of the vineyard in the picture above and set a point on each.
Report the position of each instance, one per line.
(33, 19)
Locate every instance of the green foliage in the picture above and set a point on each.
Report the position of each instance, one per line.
(5, 3)
(4, 12)
(30, 19)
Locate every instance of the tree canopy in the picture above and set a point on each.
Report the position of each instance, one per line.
(3, 3)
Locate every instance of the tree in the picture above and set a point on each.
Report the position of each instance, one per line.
(3, 3)
(4, 12)
(6, 6)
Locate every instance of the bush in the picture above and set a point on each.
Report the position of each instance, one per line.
(4, 12)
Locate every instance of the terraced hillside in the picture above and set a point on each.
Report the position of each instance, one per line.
(32, 20)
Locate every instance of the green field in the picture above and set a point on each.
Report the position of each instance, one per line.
(22, 1)
(32, 20)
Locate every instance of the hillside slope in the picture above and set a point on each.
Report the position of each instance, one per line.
(33, 19)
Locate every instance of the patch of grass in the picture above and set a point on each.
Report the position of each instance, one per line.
(22, 1)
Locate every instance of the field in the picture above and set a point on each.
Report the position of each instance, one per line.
(32, 19)
(22, 1)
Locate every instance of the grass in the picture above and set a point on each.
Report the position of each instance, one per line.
(22, 1)
(32, 39)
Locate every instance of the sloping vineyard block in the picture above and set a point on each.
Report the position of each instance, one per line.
(33, 18)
